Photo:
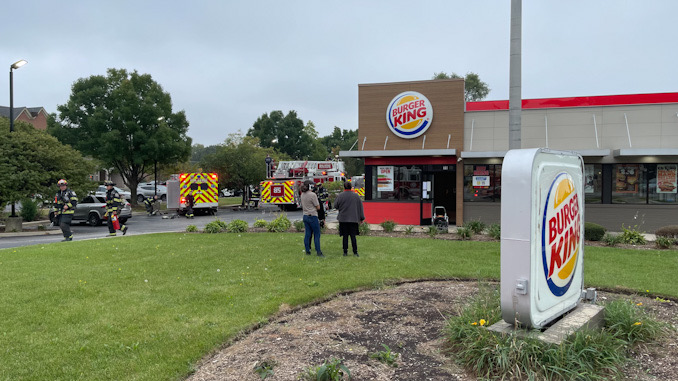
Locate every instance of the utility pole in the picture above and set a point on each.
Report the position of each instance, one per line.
(515, 72)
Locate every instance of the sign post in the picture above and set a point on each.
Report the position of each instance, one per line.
(542, 235)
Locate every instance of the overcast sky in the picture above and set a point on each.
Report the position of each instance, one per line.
(225, 62)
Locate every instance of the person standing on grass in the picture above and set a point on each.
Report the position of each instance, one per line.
(351, 215)
(310, 206)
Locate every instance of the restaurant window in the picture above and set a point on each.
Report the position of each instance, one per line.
(593, 183)
(397, 183)
(482, 182)
(629, 184)
(662, 183)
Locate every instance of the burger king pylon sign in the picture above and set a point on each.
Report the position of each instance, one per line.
(409, 114)
(542, 235)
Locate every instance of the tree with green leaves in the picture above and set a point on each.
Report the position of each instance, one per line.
(286, 133)
(343, 140)
(126, 121)
(474, 88)
(33, 161)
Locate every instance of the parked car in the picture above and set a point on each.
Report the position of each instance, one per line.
(101, 192)
(92, 210)
(148, 190)
(227, 192)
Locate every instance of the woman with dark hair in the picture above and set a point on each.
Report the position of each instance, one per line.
(310, 206)
(351, 215)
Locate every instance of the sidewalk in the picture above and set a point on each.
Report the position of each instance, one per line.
(32, 229)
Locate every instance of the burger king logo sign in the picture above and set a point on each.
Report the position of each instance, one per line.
(409, 114)
(561, 233)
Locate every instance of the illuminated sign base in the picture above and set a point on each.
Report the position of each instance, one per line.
(542, 235)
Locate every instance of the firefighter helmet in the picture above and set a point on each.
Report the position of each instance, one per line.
(62, 182)
(109, 183)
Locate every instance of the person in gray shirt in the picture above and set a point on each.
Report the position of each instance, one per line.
(351, 215)
(310, 207)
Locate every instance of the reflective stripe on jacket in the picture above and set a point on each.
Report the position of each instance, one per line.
(66, 198)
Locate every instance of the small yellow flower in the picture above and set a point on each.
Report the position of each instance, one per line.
(647, 290)
(637, 323)
(474, 323)
(639, 304)
(482, 322)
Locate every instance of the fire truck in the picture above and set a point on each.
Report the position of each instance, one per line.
(282, 188)
(358, 183)
(203, 186)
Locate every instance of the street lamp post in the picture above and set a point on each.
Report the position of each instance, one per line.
(155, 165)
(15, 65)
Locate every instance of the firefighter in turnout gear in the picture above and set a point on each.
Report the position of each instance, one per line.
(114, 204)
(65, 202)
(190, 201)
(149, 202)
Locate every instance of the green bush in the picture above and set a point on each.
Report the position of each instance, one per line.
(627, 321)
(611, 240)
(464, 232)
(386, 356)
(237, 226)
(494, 231)
(593, 231)
(409, 230)
(477, 227)
(670, 231)
(432, 231)
(663, 242)
(632, 236)
(191, 229)
(216, 226)
(299, 225)
(333, 370)
(259, 223)
(388, 225)
(264, 368)
(364, 228)
(29, 210)
(280, 224)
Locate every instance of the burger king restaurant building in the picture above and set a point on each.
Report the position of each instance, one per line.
(424, 147)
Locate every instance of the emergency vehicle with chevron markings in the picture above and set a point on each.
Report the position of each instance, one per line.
(282, 189)
(203, 186)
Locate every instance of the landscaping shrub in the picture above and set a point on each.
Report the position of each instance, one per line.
(364, 228)
(670, 231)
(612, 240)
(632, 236)
(432, 231)
(663, 242)
(464, 232)
(299, 225)
(264, 368)
(494, 231)
(333, 370)
(386, 356)
(260, 223)
(216, 226)
(237, 226)
(388, 225)
(593, 231)
(191, 229)
(476, 227)
(29, 210)
(280, 224)
(409, 230)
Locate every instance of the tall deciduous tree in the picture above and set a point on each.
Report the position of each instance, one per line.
(285, 133)
(33, 161)
(126, 121)
(343, 140)
(474, 88)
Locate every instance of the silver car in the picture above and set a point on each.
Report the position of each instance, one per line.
(101, 192)
(148, 190)
(92, 209)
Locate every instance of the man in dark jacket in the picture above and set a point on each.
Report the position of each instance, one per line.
(351, 215)
(190, 201)
(65, 202)
(149, 202)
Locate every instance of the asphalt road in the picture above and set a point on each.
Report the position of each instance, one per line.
(140, 223)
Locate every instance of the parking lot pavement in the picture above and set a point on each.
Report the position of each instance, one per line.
(140, 223)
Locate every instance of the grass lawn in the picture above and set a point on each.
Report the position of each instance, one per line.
(228, 201)
(149, 307)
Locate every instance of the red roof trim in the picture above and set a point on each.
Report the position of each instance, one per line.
(604, 100)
